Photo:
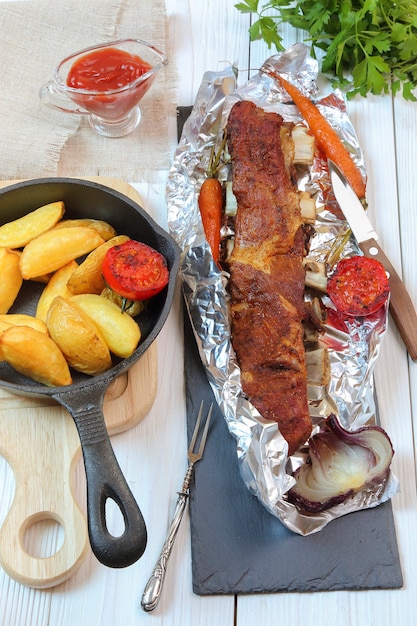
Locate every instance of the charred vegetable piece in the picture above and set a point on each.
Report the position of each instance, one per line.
(304, 145)
(210, 203)
(326, 137)
(359, 286)
(131, 307)
(341, 463)
(211, 200)
(135, 271)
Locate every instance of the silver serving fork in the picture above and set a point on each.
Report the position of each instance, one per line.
(153, 588)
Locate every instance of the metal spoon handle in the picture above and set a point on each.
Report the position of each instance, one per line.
(153, 588)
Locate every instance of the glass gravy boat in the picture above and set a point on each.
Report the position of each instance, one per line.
(109, 95)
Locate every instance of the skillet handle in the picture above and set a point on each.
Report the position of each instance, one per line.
(105, 481)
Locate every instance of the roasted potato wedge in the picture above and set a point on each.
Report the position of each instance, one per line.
(43, 279)
(18, 233)
(103, 228)
(11, 278)
(39, 279)
(120, 331)
(88, 277)
(21, 319)
(57, 286)
(36, 355)
(56, 247)
(78, 337)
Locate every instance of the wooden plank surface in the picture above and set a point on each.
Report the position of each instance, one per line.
(203, 36)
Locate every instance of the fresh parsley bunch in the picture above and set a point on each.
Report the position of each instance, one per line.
(369, 46)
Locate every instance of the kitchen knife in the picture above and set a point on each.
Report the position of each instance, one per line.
(401, 305)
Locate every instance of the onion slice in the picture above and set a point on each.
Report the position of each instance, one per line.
(340, 464)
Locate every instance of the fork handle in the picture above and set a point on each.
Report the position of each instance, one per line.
(153, 588)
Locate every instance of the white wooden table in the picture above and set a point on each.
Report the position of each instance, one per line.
(204, 36)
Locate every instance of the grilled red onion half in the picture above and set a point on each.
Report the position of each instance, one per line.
(340, 464)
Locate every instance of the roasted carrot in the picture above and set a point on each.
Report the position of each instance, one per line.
(210, 202)
(327, 138)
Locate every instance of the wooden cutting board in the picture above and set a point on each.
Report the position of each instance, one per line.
(39, 440)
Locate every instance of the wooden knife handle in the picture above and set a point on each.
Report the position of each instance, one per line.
(401, 306)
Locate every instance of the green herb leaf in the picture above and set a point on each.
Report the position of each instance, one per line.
(248, 6)
(372, 41)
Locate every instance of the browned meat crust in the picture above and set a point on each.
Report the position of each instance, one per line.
(267, 273)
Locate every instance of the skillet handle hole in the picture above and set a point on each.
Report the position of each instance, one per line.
(115, 521)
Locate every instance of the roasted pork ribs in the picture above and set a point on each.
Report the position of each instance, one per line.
(267, 273)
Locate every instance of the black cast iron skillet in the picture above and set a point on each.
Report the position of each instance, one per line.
(84, 398)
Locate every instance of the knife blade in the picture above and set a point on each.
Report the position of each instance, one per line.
(401, 306)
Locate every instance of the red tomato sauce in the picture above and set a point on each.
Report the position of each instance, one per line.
(107, 70)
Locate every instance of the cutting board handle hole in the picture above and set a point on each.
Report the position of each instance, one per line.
(43, 538)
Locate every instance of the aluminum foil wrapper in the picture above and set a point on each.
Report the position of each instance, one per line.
(264, 464)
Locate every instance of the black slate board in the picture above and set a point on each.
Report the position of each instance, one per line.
(238, 547)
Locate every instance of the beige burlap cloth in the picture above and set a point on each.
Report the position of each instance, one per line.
(35, 140)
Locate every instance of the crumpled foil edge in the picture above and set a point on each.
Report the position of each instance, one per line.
(261, 449)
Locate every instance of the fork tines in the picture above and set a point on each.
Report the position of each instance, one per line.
(197, 455)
